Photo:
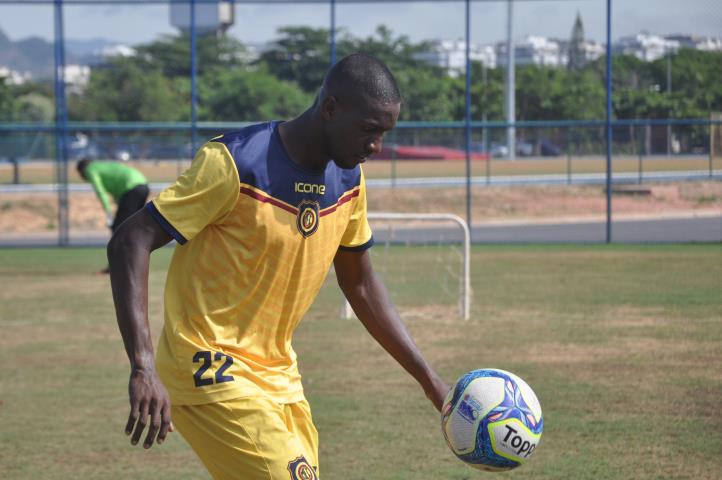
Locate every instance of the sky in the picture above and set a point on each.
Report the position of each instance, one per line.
(257, 23)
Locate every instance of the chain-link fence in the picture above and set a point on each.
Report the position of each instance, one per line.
(190, 70)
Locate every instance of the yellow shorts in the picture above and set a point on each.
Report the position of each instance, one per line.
(251, 438)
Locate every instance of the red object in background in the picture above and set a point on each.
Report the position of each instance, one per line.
(428, 152)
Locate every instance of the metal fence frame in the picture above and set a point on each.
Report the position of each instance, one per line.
(61, 127)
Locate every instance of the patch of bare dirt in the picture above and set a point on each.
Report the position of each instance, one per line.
(551, 202)
(38, 212)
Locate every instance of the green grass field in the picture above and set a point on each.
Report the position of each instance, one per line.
(622, 344)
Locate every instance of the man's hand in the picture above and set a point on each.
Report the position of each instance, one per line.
(437, 392)
(148, 398)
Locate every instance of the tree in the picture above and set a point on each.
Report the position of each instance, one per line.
(301, 55)
(487, 97)
(426, 95)
(7, 104)
(577, 55)
(34, 107)
(243, 95)
(124, 91)
(172, 54)
(396, 52)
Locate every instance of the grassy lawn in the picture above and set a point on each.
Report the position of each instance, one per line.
(622, 344)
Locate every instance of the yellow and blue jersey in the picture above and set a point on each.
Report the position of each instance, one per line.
(257, 237)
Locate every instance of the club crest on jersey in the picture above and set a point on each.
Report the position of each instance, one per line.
(307, 219)
(301, 470)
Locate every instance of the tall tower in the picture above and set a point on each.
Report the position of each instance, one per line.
(577, 53)
(210, 17)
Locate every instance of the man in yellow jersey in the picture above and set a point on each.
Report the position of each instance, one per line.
(259, 217)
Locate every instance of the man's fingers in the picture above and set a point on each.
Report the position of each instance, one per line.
(132, 418)
(166, 425)
(155, 420)
(140, 425)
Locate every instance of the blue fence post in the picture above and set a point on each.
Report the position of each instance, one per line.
(609, 122)
(487, 169)
(711, 144)
(333, 32)
(569, 155)
(394, 142)
(467, 118)
(194, 80)
(61, 127)
(640, 155)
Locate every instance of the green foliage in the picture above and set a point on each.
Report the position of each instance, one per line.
(126, 91)
(396, 52)
(487, 94)
(301, 55)
(34, 107)
(243, 95)
(172, 54)
(427, 92)
(427, 95)
(555, 93)
(155, 84)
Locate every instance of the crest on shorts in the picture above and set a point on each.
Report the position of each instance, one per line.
(301, 470)
(307, 219)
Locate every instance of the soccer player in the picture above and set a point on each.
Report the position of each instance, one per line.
(259, 217)
(127, 186)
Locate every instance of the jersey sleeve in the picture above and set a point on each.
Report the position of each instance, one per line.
(203, 195)
(358, 236)
(97, 183)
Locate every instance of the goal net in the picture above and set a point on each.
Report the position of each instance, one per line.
(423, 260)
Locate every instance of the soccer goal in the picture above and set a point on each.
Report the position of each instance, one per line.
(424, 260)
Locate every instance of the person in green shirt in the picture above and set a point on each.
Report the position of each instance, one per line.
(127, 186)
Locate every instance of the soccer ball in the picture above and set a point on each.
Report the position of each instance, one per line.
(492, 420)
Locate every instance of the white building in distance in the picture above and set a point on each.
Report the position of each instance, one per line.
(537, 50)
(13, 77)
(708, 44)
(451, 55)
(76, 77)
(531, 50)
(645, 46)
(594, 50)
(534, 50)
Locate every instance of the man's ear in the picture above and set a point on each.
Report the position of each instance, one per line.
(329, 107)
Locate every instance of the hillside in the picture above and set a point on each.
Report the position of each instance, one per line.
(36, 55)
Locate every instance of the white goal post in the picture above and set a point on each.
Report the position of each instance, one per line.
(465, 296)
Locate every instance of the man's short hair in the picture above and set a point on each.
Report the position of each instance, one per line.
(363, 76)
(82, 165)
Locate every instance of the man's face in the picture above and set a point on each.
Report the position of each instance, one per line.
(355, 129)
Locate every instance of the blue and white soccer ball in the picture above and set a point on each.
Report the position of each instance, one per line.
(492, 420)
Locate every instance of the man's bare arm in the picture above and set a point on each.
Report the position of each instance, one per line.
(129, 258)
(371, 302)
